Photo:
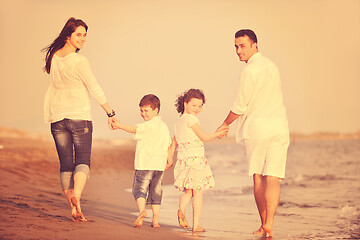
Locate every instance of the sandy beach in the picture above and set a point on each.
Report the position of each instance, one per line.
(32, 205)
(318, 200)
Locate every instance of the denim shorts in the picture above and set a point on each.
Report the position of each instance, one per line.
(73, 139)
(147, 184)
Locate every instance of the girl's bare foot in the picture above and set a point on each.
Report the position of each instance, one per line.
(139, 221)
(182, 220)
(198, 229)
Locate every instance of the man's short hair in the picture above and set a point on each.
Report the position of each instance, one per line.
(246, 32)
(150, 100)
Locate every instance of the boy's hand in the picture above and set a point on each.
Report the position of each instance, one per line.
(169, 164)
(115, 123)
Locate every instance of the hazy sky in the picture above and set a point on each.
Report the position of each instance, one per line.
(165, 47)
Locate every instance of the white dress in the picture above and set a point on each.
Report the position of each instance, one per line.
(192, 170)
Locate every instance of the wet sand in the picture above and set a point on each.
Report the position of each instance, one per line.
(32, 205)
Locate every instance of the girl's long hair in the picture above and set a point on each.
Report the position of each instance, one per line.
(59, 42)
(186, 96)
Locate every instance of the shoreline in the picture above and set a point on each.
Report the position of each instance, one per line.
(11, 133)
(32, 205)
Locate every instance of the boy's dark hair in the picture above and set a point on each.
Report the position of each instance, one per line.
(186, 96)
(150, 100)
(246, 32)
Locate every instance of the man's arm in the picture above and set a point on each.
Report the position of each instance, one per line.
(231, 117)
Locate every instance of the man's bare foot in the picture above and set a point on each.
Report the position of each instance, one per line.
(260, 231)
(182, 220)
(198, 229)
(268, 230)
(139, 221)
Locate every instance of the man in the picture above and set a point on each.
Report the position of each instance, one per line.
(262, 125)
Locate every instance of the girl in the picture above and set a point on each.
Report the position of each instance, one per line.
(192, 173)
(67, 108)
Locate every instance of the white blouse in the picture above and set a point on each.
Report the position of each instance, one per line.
(183, 131)
(70, 86)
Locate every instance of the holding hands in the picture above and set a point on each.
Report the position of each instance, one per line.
(223, 130)
(113, 123)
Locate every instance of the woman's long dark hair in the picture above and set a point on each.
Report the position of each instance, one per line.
(186, 96)
(59, 42)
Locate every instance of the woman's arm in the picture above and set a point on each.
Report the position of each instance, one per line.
(110, 112)
(208, 136)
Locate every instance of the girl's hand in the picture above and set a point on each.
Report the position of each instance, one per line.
(222, 131)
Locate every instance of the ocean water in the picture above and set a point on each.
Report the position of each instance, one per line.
(320, 196)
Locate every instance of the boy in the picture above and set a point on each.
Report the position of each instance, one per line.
(151, 157)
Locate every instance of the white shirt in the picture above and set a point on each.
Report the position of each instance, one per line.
(153, 140)
(183, 131)
(259, 99)
(71, 81)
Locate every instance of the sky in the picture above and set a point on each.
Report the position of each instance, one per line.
(165, 47)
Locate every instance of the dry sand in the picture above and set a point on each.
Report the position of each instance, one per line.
(32, 205)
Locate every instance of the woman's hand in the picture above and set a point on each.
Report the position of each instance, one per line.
(111, 122)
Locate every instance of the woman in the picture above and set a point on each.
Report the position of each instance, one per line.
(67, 108)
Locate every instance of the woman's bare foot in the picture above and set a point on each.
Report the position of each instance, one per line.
(76, 213)
(198, 229)
(182, 220)
(75, 201)
(260, 231)
(139, 221)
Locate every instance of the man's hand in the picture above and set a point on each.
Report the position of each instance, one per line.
(223, 127)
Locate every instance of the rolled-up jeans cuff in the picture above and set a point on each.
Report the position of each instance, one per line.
(66, 180)
(83, 168)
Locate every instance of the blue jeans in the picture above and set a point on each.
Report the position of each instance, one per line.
(147, 184)
(73, 139)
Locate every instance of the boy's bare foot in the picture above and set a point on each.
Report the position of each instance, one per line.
(198, 229)
(139, 221)
(182, 220)
(260, 231)
(155, 225)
